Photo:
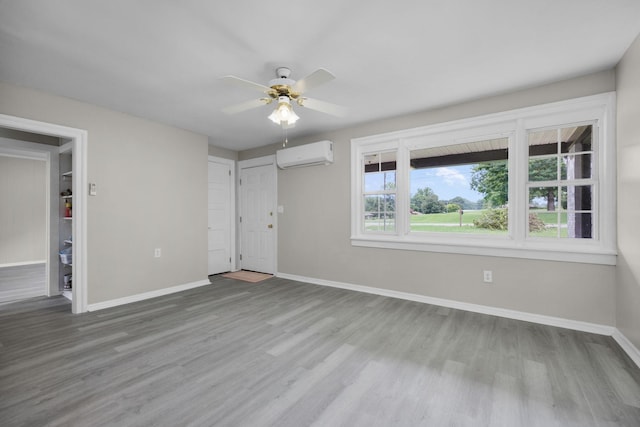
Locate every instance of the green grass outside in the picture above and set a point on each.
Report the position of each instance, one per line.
(550, 217)
(449, 223)
(446, 218)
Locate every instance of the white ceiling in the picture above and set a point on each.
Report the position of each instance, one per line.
(162, 59)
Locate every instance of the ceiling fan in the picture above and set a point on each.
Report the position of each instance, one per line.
(285, 91)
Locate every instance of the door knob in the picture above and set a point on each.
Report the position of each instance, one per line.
(270, 226)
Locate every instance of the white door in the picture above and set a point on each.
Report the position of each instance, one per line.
(220, 217)
(257, 196)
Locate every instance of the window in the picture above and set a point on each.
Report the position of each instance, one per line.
(379, 192)
(561, 185)
(534, 183)
(444, 181)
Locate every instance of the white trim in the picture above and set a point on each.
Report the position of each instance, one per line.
(19, 264)
(488, 250)
(576, 325)
(146, 295)
(628, 347)
(258, 161)
(232, 211)
(78, 139)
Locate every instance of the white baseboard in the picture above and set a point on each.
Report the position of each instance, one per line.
(18, 264)
(476, 308)
(146, 295)
(576, 325)
(628, 347)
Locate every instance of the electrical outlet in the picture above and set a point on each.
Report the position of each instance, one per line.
(157, 253)
(487, 276)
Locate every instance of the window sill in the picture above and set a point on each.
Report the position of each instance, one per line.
(493, 247)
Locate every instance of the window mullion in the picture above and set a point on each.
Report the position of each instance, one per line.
(518, 176)
(402, 189)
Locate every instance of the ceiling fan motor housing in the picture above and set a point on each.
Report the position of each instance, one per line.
(282, 83)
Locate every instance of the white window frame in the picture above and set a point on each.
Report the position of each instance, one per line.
(393, 192)
(514, 124)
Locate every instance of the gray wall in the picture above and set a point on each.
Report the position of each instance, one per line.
(22, 210)
(152, 185)
(314, 230)
(628, 294)
(222, 152)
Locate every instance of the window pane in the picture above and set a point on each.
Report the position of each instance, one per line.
(460, 188)
(548, 218)
(545, 169)
(543, 198)
(379, 181)
(578, 197)
(380, 172)
(576, 166)
(579, 225)
(379, 212)
(543, 142)
(575, 139)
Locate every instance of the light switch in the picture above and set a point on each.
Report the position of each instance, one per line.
(92, 189)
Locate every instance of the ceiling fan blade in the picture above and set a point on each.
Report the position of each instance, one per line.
(244, 106)
(324, 107)
(317, 78)
(246, 84)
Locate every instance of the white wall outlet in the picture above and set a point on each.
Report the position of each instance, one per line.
(93, 190)
(487, 276)
(157, 253)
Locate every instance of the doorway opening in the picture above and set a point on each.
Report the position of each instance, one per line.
(73, 141)
(24, 188)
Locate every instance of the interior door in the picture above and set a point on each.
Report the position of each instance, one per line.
(257, 196)
(220, 218)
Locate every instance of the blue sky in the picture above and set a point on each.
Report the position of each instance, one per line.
(447, 182)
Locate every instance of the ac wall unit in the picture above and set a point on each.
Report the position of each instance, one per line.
(317, 153)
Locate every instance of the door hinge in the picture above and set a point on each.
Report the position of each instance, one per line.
(229, 260)
(240, 219)
(240, 181)
(240, 257)
(229, 172)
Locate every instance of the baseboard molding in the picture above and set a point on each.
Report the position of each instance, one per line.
(146, 295)
(628, 347)
(19, 264)
(475, 308)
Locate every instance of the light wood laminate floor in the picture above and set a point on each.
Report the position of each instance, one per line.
(283, 353)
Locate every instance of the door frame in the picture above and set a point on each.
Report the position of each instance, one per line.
(232, 209)
(251, 163)
(78, 139)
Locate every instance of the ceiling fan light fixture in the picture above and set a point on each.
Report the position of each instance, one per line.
(283, 114)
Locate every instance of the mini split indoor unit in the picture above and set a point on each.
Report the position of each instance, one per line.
(317, 153)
